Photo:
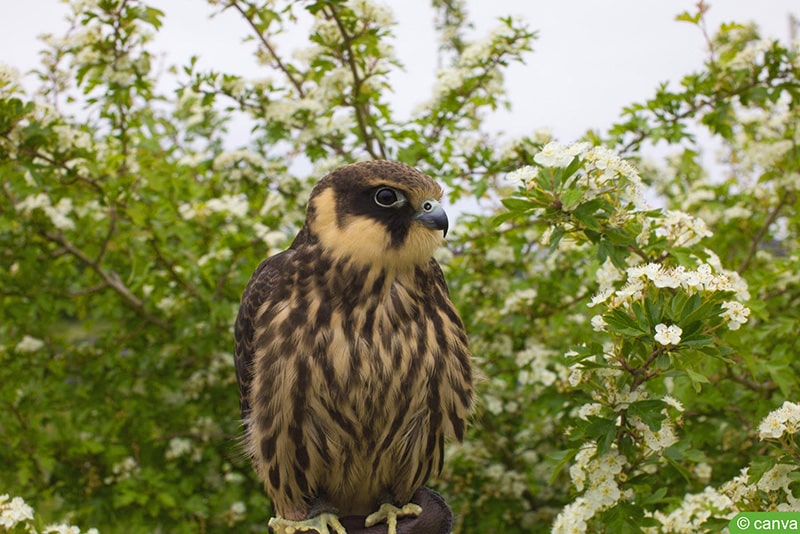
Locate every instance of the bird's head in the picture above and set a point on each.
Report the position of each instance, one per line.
(378, 214)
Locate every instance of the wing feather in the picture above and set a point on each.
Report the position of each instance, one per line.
(263, 286)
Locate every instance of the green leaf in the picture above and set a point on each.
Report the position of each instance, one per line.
(696, 310)
(585, 213)
(758, 466)
(696, 379)
(604, 431)
(649, 411)
(673, 456)
(621, 323)
(656, 497)
(698, 341)
(573, 166)
(689, 17)
(570, 197)
(517, 204)
(562, 459)
(499, 219)
(626, 518)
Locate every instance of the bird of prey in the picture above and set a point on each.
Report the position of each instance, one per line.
(352, 363)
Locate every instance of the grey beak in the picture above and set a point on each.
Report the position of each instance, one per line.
(431, 214)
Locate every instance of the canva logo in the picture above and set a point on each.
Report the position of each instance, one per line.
(750, 522)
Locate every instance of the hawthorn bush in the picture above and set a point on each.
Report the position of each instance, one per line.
(635, 320)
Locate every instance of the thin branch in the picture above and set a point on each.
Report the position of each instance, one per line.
(29, 448)
(786, 199)
(362, 112)
(764, 387)
(265, 42)
(111, 278)
(190, 288)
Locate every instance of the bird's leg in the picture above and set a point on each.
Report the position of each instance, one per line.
(389, 513)
(318, 523)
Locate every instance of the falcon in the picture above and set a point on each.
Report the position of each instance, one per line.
(352, 362)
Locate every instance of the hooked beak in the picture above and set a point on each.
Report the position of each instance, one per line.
(431, 214)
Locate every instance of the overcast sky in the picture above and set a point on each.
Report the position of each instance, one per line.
(592, 57)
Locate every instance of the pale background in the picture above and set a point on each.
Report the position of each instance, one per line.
(592, 57)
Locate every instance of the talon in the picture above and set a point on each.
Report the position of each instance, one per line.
(319, 523)
(389, 513)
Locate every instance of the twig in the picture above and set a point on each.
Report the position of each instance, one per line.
(265, 42)
(362, 112)
(111, 278)
(787, 199)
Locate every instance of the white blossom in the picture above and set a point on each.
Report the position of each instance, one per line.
(234, 204)
(126, 468)
(9, 76)
(592, 408)
(735, 313)
(14, 511)
(61, 529)
(660, 439)
(694, 510)
(519, 300)
(672, 401)
(703, 472)
(57, 214)
(607, 274)
(522, 176)
(598, 323)
(178, 447)
(668, 335)
(500, 254)
(29, 344)
(738, 489)
(600, 297)
(776, 478)
(682, 230)
(554, 155)
(785, 419)
(238, 510)
(597, 475)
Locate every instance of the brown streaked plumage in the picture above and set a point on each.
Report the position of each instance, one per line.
(352, 362)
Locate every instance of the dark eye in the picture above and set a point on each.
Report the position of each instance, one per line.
(388, 197)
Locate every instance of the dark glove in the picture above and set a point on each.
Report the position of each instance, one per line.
(436, 518)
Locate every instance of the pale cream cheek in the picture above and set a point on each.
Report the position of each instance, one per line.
(367, 242)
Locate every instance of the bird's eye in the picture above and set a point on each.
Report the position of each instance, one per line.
(389, 198)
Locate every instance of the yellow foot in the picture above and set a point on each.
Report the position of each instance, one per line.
(389, 513)
(319, 523)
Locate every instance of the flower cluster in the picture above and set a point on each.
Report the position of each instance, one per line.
(597, 475)
(58, 213)
(232, 205)
(14, 511)
(681, 229)
(603, 173)
(127, 468)
(477, 60)
(9, 78)
(703, 279)
(657, 440)
(693, 512)
(532, 363)
(784, 420)
(240, 164)
(735, 313)
(29, 344)
(17, 513)
(668, 335)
